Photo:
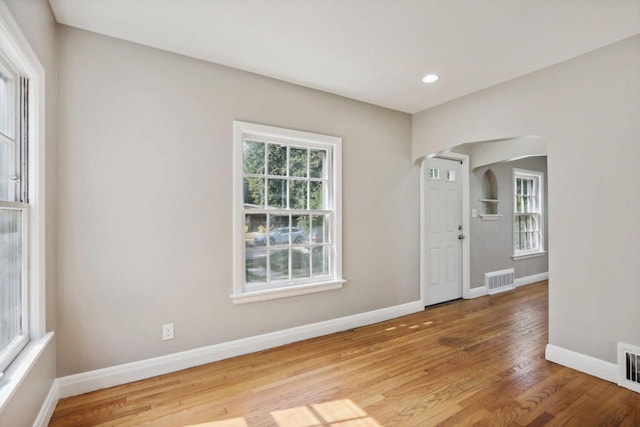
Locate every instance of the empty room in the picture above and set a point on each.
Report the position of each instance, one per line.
(319, 213)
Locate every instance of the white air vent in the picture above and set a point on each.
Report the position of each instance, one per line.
(629, 366)
(499, 281)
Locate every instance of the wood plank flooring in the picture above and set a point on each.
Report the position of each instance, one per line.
(476, 362)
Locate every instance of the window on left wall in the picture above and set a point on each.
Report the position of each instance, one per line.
(22, 214)
(14, 213)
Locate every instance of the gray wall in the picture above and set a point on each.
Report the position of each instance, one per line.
(587, 111)
(38, 24)
(145, 215)
(492, 241)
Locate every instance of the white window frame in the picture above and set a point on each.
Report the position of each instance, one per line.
(538, 178)
(244, 130)
(19, 55)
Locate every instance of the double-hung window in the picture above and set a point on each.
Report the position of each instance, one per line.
(23, 334)
(528, 220)
(14, 213)
(287, 212)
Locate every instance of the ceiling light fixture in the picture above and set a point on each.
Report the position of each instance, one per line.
(430, 78)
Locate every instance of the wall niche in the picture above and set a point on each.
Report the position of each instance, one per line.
(490, 200)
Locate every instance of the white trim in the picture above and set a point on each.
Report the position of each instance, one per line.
(269, 294)
(13, 205)
(581, 362)
(534, 278)
(490, 217)
(37, 193)
(48, 406)
(466, 224)
(107, 377)
(16, 373)
(477, 292)
(423, 228)
(527, 256)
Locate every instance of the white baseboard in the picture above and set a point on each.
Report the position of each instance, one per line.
(480, 291)
(107, 377)
(48, 406)
(534, 278)
(581, 362)
(501, 289)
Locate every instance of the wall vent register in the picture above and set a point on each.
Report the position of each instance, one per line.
(629, 366)
(499, 281)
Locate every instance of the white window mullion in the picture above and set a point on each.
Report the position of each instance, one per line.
(287, 181)
(267, 245)
(309, 182)
(311, 247)
(266, 176)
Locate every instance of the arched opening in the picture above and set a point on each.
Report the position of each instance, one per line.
(492, 235)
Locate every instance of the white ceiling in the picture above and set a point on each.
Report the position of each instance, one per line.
(375, 51)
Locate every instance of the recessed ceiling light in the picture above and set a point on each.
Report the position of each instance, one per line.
(430, 78)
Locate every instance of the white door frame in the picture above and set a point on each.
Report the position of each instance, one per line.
(466, 223)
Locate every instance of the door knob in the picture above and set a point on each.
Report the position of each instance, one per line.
(460, 236)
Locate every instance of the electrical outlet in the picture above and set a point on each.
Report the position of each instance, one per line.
(167, 331)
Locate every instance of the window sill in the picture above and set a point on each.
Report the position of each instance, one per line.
(527, 256)
(16, 373)
(248, 297)
(490, 217)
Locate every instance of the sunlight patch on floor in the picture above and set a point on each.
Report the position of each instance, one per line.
(233, 422)
(337, 413)
(301, 416)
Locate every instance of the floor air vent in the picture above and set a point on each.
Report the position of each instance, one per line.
(499, 281)
(629, 366)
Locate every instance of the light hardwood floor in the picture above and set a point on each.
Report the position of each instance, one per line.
(476, 362)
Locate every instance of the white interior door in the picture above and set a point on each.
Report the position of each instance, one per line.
(443, 233)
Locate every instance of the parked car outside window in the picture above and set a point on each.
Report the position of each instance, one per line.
(280, 236)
